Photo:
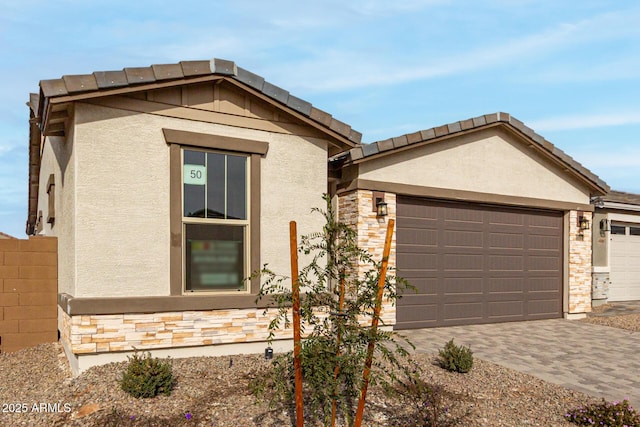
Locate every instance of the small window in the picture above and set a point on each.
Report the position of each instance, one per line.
(634, 231)
(618, 229)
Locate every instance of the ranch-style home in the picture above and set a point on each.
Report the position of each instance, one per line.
(167, 185)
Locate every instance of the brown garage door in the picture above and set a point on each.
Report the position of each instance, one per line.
(474, 263)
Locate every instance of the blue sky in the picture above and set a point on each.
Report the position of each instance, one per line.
(568, 69)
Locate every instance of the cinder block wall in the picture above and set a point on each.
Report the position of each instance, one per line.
(28, 292)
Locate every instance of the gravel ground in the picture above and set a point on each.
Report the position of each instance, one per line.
(37, 390)
(630, 322)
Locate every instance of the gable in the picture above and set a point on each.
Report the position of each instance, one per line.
(488, 161)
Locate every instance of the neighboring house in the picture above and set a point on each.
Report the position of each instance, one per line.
(5, 236)
(166, 185)
(616, 248)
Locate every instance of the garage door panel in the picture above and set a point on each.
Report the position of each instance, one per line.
(462, 285)
(417, 236)
(420, 223)
(542, 263)
(508, 308)
(422, 285)
(420, 313)
(419, 260)
(482, 264)
(543, 284)
(505, 263)
(462, 262)
(462, 215)
(505, 285)
(501, 240)
(462, 238)
(460, 311)
(543, 307)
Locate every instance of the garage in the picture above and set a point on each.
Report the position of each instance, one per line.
(625, 262)
(472, 263)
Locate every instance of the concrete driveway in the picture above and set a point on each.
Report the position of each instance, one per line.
(597, 360)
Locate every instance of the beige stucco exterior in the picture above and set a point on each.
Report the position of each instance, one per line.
(59, 159)
(490, 161)
(119, 204)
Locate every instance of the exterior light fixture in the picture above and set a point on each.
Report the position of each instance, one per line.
(381, 207)
(268, 353)
(583, 221)
(605, 225)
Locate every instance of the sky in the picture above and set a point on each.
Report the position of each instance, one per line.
(568, 69)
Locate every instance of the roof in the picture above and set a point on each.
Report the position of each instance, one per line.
(622, 197)
(440, 133)
(49, 115)
(102, 83)
(5, 236)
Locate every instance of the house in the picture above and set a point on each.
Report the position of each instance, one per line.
(616, 248)
(5, 236)
(166, 185)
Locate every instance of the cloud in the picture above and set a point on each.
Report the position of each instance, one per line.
(586, 121)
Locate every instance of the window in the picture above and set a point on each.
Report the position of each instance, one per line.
(618, 229)
(215, 220)
(634, 231)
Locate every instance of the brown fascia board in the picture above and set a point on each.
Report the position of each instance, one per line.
(440, 133)
(103, 83)
(34, 175)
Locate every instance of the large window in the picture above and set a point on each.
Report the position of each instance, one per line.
(215, 220)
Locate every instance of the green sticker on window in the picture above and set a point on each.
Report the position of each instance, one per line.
(195, 174)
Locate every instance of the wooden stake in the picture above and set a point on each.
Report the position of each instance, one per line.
(295, 291)
(374, 325)
(336, 371)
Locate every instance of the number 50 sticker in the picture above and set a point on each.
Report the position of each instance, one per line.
(195, 174)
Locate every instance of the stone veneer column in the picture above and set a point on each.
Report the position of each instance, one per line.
(356, 209)
(579, 265)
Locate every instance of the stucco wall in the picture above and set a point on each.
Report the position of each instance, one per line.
(490, 161)
(122, 197)
(58, 158)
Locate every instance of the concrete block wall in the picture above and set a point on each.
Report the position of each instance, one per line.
(28, 292)
(579, 265)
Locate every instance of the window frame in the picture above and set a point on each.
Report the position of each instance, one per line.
(244, 223)
(176, 140)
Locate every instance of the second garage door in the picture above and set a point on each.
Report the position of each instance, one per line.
(625, 262)
(473, 263)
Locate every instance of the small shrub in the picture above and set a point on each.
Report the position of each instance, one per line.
(611, 414)
(424, 400)
(455, 358)
(147, 377)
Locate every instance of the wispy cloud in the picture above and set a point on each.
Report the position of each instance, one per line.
(586, 121)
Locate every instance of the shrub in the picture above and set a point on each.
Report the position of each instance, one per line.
(334, 350)
(147, 377)
(455, 358)
(424, 400)
(611, 414)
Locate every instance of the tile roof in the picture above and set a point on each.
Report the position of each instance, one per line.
(360, 153)
(5, 236)
(622, 197)
(182, 72)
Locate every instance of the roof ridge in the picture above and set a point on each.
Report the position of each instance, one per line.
(131, 76)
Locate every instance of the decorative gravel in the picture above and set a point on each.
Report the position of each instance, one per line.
(630, 322)
(36, 389)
